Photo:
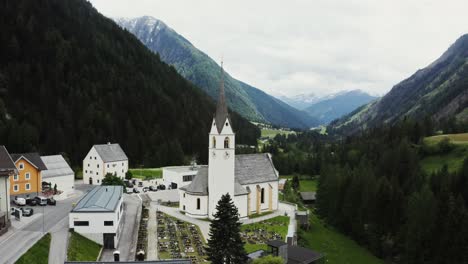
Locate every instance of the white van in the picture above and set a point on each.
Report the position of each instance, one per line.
(41, 200)
(20, 201)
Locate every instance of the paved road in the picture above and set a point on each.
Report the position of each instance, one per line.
(152, 253)
(129, 235)
(16, 242)
(59, 242)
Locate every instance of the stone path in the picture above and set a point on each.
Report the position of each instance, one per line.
(59, 242)
(152, 253)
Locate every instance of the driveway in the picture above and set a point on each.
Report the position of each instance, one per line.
(22, 236)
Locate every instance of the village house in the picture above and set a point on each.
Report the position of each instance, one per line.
(103, 159)
(28, 182)
(7, 170)
(58, 173)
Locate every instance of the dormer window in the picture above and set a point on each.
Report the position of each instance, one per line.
(226, 142)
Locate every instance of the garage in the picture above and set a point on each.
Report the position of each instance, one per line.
(58, 173)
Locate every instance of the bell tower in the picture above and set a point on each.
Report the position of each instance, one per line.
(221, 151)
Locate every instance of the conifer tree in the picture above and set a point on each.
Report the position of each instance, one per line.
(225, 245)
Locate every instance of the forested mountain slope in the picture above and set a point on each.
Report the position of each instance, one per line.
(200, 69)
(71, 78)
(440, 90)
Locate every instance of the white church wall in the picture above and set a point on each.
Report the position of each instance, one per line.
(265, 205)
(190, 203)
(241, 203)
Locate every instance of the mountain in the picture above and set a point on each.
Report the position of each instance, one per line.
(439, 91)
(338, 105)
(200, 69)
(301, 101)
(71, 78)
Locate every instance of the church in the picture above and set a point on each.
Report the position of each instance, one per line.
(250, 179)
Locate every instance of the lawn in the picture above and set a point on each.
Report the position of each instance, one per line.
(308, 185)
(39, 253)
(82, 249)
(453, 159)
(277, 225)
(337, 248)
(147, 174)
(271, 133)
(461, 138)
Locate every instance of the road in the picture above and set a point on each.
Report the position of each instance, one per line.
(52, 219)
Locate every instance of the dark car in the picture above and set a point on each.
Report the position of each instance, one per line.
(135, 190)
(128, 184)
(31, 202)
(27, 211)
(51, 201)
(153, 188)
(162, 187)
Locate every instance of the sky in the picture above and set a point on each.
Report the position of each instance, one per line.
(319, 47)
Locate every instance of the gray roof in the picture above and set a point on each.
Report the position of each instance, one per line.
(33, 158)
(110, 152)
(299, 255)
(249, 169)
(173, 261)
(104, 198)
(255, 168)
(221, 108)
(56, 167)
(7, 166)
(308, 196)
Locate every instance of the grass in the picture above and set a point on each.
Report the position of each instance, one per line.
(82, 249)
(38, 254)
(337, 248)
(271, 133)
(147, 174)
(308, 185)
(277, 224)
(459, 139)
(453, 160)
(260, 214)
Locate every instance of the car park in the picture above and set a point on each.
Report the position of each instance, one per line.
(31, 202)
(41, 200)
(20, 201)
(51, 201)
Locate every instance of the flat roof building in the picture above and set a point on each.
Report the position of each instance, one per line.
(97, 215)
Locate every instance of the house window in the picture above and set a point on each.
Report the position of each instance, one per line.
(227, 124)
(184, 195)
(95, 158)
(98, 165)
(97, 173)
(107, 165)
(15, 188)
(108, 223)
(226, 142)
(198, 203)
(28, 186)
(21, 166)
(187, 178)
(86, 171)
(97, 181)
(122, 164)
(28, 176)
(262, 196)
(214, 142)
(89, 165)
(81, 223)
(90, 157)
(15, 177)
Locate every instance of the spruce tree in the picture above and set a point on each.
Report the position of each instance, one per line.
(225, 245)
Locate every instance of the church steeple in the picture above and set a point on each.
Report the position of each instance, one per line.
(221, 109)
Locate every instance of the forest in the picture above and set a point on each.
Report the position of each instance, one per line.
(71, 78)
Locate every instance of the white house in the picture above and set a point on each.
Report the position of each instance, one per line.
(58, 172)
(7, 169)
(103, 159)
(97, 215)
(179, 176)
(251, 180)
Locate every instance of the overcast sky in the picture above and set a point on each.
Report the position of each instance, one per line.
(311, 46)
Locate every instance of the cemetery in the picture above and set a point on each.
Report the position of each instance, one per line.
(178, 239)
(256, 235)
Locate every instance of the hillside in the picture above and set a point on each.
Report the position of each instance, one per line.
(203, 71)
(439, 90)
(452, 154)
(71, 78)
(338, 105)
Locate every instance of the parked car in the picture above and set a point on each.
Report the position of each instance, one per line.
(51, 201)
(20, 201)
(140, 184)
(27, 211)
(31, 202)
(162, 187)
(41, 200)
(128, 184)
(153, 188)
(145, 189)
(135, 190)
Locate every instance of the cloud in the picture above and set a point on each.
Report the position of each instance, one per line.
(301, 46)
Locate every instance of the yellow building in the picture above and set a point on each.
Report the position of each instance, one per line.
(28, 181)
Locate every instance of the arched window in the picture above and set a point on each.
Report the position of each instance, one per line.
(262, 196)
(214, 142)
(198, 203)
(226, 142)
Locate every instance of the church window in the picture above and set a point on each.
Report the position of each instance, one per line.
(262, 196)
(226, 142)
(227, 124)
(214, 142)
(198, 203)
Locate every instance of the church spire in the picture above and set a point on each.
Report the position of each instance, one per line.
(221, 109)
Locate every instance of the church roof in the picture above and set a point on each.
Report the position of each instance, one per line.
(221, 114)
(249, 169)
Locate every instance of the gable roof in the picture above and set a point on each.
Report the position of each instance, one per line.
(110, 152)
(103, 198)
(249, 169)
(7, 166)
(308, 196)
(299, 255)
(56, 167)
(33, 158)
